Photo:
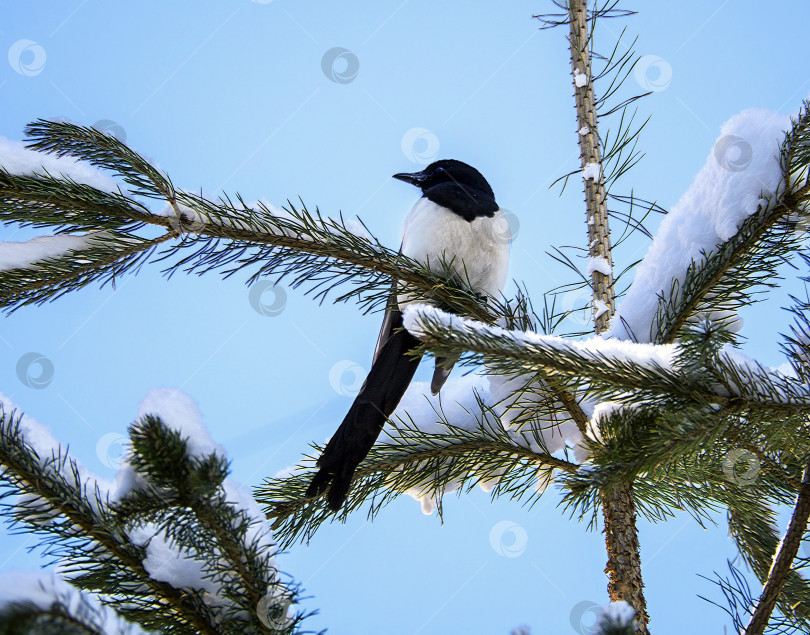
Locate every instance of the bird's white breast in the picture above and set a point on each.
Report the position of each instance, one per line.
(479, 250)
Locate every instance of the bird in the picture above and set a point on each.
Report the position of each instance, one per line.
(456, 228)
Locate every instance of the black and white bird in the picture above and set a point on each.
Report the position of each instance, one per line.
(457, 228)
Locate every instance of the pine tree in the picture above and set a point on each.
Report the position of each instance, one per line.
(173, 547)
(658, 409)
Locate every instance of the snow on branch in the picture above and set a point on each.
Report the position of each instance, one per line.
(16, 158)
(173, 542)
(714, 239)
(612, 368)
(528, 351)
(429, 448)
(26, 255)
(323, 254)
(473, 404)
(41, 601)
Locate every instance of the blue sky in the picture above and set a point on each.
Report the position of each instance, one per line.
(233, 95)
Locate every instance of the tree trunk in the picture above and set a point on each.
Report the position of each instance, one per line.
(624, 560)
(591, 155)
(618, 506)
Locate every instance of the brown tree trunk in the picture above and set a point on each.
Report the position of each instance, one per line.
(618, 506)
(591, 154)
(624, 560)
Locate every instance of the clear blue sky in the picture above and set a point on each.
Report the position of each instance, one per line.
(233, 95)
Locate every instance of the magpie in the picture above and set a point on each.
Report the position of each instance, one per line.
(456, 228)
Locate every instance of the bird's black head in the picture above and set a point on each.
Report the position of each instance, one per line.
(447, 171)
(455, 185)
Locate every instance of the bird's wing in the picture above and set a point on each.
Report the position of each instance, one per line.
(393, 317)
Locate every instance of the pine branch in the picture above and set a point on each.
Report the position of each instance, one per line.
(174, 487)
(782, 562)
(753, 526)
(62, 204)
(41, 602)
(680, 451)
(725, 279)
(676, 448)
(625, 372)
(591, 155)
(102, 150)
(180, 500)
(430, 463)
(566, 397)
(679, 458)
(105, 257)
(46, 479)
(319, 253)
(24, 618)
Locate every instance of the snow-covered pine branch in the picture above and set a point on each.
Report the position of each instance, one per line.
(42, 602)
(429, 448)
(173, 544)
(612, 369)
(324, 255)
(692, 408)
(47, 267)
(729, 232)
(673, 417)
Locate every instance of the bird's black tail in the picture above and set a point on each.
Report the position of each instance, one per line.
(387, 381)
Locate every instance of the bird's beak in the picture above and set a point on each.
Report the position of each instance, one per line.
(414, 178)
